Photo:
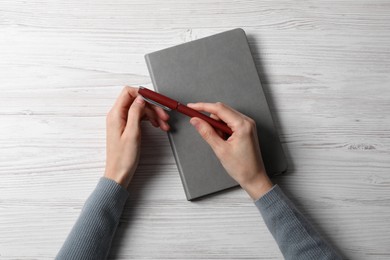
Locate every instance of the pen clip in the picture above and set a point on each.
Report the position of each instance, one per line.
(156, 104)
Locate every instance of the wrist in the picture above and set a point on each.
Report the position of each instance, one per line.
(257, 186)
(121, 179)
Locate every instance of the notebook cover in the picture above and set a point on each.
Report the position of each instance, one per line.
(216, 68)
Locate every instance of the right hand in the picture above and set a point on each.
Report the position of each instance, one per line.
(240, 154)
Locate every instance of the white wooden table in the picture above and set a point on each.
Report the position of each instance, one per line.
(325, 66)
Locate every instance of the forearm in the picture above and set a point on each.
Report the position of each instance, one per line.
(294, 235)
(91, 236)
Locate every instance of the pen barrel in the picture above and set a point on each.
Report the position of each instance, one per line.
(157, 97)
(193, 113)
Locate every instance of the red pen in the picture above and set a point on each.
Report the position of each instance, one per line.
(170, 104)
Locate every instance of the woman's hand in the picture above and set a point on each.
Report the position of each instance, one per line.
(124, 133)
(240, 154)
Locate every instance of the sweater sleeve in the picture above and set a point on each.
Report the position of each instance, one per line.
(294, 235)
(91, 235)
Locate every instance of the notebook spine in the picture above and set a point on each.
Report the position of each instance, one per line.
(180, 169)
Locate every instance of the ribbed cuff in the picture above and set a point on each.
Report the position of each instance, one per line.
(275, 194)
(110, 194)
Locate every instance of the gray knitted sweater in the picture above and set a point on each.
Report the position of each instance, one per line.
(92, 234)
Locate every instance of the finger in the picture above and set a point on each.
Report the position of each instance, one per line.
(160, 112)
(208, 133)
(161, 117)
(125, 99)
(151, 115)
(135, 114)
(155, 119)
(117, 116)
(227, 114)
(163, 125)
(219, 132)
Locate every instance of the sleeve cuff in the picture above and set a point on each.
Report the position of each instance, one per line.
(275, 194)
(110, 194)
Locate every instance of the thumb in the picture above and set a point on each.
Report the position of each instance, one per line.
(208, 133)
(135, 114)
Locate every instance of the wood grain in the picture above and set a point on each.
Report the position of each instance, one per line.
(326, 71)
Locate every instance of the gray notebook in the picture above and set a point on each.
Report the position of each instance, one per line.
(216, 68)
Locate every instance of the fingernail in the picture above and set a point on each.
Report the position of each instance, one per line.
(139, 100)
(190, 104)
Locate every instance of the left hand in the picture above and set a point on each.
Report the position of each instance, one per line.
(124, 133)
